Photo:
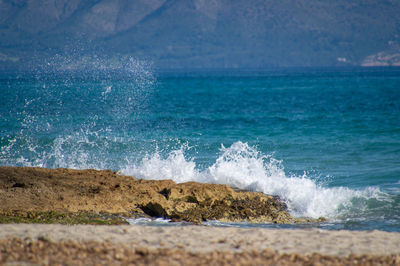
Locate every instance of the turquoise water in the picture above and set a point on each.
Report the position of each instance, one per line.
(326, 141)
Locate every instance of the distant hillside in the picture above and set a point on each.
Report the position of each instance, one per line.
(203, 34)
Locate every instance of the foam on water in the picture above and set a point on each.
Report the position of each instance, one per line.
(148, 221)
(244, 167)
(174, 167)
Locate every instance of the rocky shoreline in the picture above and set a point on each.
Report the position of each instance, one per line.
(102, 197)
(74, 204)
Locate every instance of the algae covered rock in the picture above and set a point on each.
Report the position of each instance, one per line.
(37, 190)
(196, 202)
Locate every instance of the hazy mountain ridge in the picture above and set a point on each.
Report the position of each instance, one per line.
(200, 33)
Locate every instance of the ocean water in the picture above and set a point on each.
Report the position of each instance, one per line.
(326, 141)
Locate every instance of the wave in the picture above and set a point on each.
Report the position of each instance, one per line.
(240, 166)
(244, 167)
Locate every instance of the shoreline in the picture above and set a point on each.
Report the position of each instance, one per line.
(56, 204)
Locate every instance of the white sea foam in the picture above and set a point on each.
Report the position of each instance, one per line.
(148, 221)
(174, 167)
(244, 167)
(106, 92)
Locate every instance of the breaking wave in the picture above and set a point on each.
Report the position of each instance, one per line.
(244, 167)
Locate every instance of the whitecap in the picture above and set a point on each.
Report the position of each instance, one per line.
(244, 167)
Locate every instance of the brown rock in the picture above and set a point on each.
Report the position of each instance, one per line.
(65, 190)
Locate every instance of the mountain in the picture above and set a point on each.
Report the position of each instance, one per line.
(175, 34)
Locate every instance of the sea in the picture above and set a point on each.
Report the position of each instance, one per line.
(325, 140)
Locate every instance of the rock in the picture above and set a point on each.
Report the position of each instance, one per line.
(72, 191)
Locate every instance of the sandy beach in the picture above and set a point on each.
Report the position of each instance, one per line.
(207, 239)
(88, 245)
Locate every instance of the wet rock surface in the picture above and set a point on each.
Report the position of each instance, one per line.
(39, 190)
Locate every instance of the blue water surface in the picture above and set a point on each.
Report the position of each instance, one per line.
(315, 131)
